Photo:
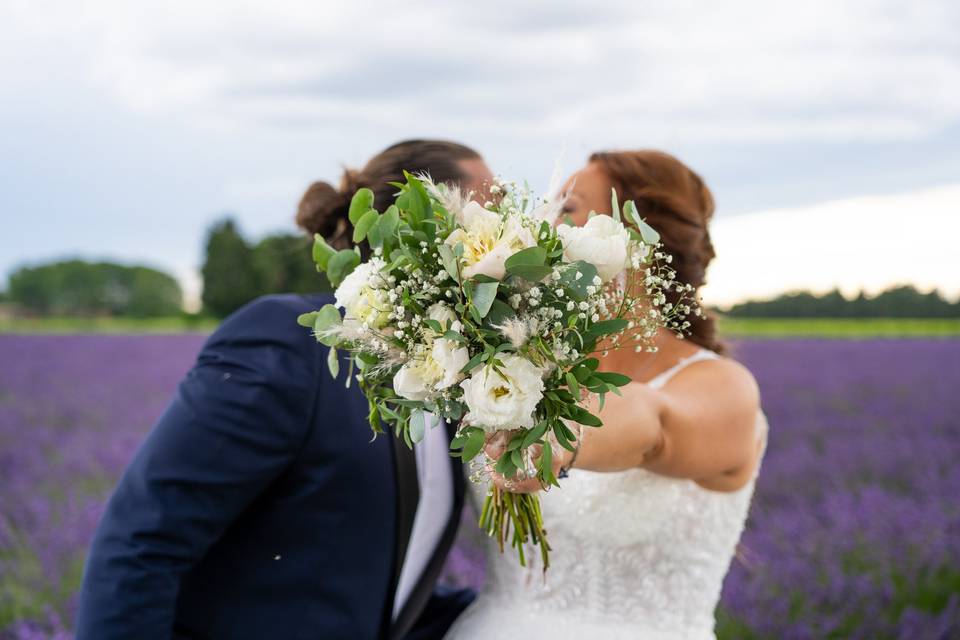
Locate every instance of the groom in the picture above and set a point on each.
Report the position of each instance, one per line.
(258, 507)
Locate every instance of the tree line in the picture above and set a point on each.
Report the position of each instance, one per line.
(235, 271)
(81, 288)
(903, 301)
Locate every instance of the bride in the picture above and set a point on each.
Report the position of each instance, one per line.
(647, 519)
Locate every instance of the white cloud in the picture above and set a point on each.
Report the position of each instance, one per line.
(750, 69)
(866, 243)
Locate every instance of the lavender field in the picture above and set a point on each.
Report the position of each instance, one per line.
(855, 532)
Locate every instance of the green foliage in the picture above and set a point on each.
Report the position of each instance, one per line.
(529, 264)
(282, 265)
(484, 293)
(341, 264)
(360, 204)
(80, 288)
(852, 328)
(898, 302)
(235, 272)
(230, 278)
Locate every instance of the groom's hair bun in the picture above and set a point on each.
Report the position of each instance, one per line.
(676, 202)
(323, 209)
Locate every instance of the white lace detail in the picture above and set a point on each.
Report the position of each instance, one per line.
(635, 555)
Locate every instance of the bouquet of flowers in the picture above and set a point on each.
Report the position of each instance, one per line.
(490, 316)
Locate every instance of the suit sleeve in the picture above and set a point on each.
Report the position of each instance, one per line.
(236, 422)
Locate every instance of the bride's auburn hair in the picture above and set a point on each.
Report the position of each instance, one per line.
(323, 208)
(674, 200)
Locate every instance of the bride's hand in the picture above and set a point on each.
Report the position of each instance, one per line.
(496, 446)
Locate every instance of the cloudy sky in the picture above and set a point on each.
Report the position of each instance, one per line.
(129, 126)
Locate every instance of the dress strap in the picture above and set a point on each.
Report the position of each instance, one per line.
(661, 379)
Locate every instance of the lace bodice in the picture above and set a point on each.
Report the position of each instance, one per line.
(635, 555)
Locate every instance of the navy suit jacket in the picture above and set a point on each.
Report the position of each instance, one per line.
(258, 507)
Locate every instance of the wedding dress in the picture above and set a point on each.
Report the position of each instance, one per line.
(634, 555)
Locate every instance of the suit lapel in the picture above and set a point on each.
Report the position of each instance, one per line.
(408, 495)
(422, 591)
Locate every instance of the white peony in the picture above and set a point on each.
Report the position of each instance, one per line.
(360, 296)
(436, 367)
(502, 402)
(601, 242)
(488, 240)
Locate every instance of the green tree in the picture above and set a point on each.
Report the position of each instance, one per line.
(80, 288)
(898, 302)
(230, 279)
(284, 264)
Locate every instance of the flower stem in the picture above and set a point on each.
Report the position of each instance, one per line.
(504, 513)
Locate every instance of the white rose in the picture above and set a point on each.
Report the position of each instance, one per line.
(444, 315)
(451, 358)
(409, 382)
(602, 242)
(488, 240)
(435, 367)
(360, 298)
(504, 402)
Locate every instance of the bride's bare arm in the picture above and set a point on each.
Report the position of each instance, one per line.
(701, 426)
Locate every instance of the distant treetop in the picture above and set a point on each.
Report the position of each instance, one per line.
(903, 301)
(81, 288)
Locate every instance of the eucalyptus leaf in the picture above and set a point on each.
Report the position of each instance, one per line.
(484, 293)
(364, 225)
(531, 256)
(322, 252)
(340, 265)
(418, 425)
(648, 233)
(417, 201)
(499, 311)
(449, 261)
(530, 273)
(333, 362)
(630, 212)
(326, 318)
(307, 319)
(389, 221)
(614, 205)
(360, 204)
(578, 286)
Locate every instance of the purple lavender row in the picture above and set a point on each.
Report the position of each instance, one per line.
(854, 531)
